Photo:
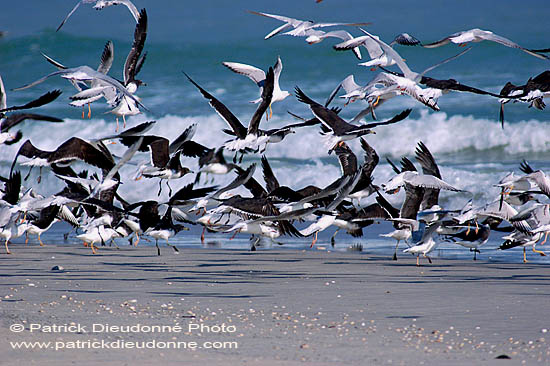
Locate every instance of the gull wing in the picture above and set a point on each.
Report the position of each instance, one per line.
(347, 159)
(222, 110)
(267, 95)
(253, 73)
(107, 58)
(72, 11)
(428, 181)
(140, 35)
(399, 117)
(371, 158)
(391, 53)
(490, 36)
(269, 177)
(40, 101)
(16, 118)
(159, 152)
(327, 117)
(3, 99)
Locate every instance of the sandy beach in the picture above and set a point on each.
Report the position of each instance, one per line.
(277, 307)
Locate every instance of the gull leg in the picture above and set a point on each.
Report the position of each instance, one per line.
(26, 238)
(116, 130)
(545, 237)
(539, 251)
(332, 241)
(28, 174)
(123, 121)
(270, 111)
(202, 234)
(89, 111)
(395, 252)
(6, 245)
(468, 231)
(160, 187)
(83, 109)
(524, 256)
(418, 261)
(137, 240)
(157, 245)
(94, 251)
(376, 101)
(429, 259)
(477, 227)
(173, 246)
(253, 247)
(234, 235)
(314, 240)
(42, 244)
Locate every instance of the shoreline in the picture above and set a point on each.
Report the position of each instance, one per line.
(307, 308)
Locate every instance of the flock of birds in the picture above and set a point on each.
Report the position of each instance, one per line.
(91, 204)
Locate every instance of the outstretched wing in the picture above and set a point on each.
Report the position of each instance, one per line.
(222, 110)
(40, 101)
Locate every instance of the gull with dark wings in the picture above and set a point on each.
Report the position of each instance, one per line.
(247, 139)
(338, 129)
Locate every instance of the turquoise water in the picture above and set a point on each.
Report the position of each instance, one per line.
(195, 37)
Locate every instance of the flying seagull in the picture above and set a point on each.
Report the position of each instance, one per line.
(99, 5)
(297, 27)
(479, 35)
(258, 76)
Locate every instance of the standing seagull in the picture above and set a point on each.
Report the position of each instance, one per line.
(258, 76)
(100, 4)
(479, 35)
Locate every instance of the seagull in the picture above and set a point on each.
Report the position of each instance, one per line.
(258, 76)
(100, 4)
(316, 36)
(296, 27)
(408, 83)
(211, 161)
(417, 180)
(104, 66)
(247, 139)
(338, 129)
(86, 73)
(97, 234)
(165, 156)
(479, 35)
(532, 92)
(378, 56)
(123, 106)
(426, 245)
(471, 239)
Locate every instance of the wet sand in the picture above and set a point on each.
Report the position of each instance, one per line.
(276, 307)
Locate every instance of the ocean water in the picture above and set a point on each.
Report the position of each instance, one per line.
(473, 151)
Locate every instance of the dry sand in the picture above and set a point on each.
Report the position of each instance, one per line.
(279, 307)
